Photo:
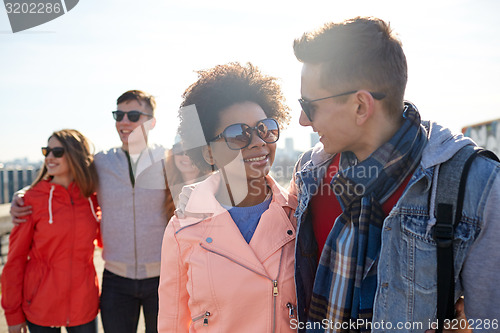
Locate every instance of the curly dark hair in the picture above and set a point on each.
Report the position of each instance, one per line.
(219, 88)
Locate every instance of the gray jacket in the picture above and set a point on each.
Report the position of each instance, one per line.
(133, 216)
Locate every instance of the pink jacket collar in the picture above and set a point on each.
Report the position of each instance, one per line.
(203, 201)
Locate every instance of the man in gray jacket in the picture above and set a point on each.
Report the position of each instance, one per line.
(133, 217)
(132, 197)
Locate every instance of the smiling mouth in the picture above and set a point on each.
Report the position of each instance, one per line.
(255, 159)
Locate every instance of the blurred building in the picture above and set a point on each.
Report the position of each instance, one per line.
(15, 175)
(284, 162)
(486, 134)
(314, 139)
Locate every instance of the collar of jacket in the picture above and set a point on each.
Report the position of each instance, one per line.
(202, 200)
(321, 159)
(442, 145)
(45, 186)
(275, 229)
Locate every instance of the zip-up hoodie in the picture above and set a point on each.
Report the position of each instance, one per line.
(133, 215)
(49, 278)
(213, 280)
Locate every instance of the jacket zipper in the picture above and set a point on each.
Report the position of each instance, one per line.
(291, 310)
(132, 182)
(135, 231)
(275, 296)
(274, 281)
(275, 292)
(71, 259)
(203, 316)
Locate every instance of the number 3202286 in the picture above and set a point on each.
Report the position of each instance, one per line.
(33, 8)
(476, 324)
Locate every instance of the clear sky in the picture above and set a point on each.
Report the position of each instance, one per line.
(68, 73)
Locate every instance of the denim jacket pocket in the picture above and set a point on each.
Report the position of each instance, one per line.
(419, 249)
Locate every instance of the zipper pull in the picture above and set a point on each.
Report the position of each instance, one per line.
(291, 309)
(205, 319)
(275, 288)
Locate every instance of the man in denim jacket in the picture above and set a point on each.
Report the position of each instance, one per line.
(365, 255)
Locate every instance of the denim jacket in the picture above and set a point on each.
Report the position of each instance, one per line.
(406, 295)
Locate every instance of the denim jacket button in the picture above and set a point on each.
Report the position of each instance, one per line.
(388, 228)
(385, 285)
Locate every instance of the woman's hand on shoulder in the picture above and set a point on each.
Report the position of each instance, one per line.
(460, 318)
(18, 211)
(180, 210)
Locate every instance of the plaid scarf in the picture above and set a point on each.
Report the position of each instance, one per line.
(346, 278)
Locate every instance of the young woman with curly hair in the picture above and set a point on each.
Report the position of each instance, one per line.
(231, 270)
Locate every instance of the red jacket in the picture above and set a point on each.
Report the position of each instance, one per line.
(49, 278)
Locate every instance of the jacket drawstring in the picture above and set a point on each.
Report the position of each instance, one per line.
(432, 203)
(51, 220)
(92, 208)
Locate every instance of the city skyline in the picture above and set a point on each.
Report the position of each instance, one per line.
(68, 72)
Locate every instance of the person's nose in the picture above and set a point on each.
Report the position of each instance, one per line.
(256, 140)
(125, 119)
(50, 157)
(304, 120)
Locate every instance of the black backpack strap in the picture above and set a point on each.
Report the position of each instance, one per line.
(451, 185)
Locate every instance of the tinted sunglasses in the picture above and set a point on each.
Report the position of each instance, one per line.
(56, 151)
(308, 108)
(178, 150)
(179, 153)
(239, 136)
(133, 116)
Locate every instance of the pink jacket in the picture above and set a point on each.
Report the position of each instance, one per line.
(212, 280)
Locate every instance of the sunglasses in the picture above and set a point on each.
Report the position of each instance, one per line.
(308, 108)
(239, 136)
(177, 150)
(133, 116)
(180, 153)
(56, 151)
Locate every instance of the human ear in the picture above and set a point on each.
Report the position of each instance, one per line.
(150, 124)
(153, 123)
(364, 106)
(207, 155)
